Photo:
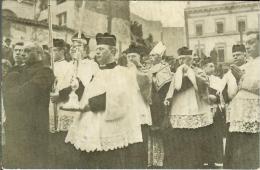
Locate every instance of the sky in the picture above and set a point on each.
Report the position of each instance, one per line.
(170, 13)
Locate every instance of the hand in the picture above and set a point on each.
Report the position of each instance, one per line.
(218, 93)
(184, 68)
(74, 84)
(212, 98)
(54, 97)
(236, 71)
(166, 102)
(83, 109)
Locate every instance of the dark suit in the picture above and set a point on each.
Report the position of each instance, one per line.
(27, 124)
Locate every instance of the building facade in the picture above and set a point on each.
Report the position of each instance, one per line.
(219, 25)
(98, 16)
(19, 23)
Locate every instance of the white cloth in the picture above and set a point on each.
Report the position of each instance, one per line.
(229, 80)
(244, 109)
(143, 108)
(64, 72)
(188, 110)
(117, 126)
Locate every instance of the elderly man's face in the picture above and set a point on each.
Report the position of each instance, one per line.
(156, 58)
(104, 54)
(239, 58)
(209, 68)
(186, 60)
(252, 45)
(18, 54)
(77, 46)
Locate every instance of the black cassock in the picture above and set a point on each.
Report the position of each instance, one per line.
(26, 95)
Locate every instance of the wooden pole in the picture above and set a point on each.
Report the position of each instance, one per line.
(199, 49)
(81, 18)
(109, 17)
(54, 115)
(241, 37)
(50, 34)
(186, 28)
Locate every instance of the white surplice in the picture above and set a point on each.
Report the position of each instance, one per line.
(119, 124)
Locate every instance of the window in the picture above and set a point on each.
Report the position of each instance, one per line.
(241, 24)
(199, 29)
(220, 27)
(62, 19)
(221, 53)
(60, 1)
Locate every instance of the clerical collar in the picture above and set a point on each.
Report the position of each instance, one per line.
(108, 66)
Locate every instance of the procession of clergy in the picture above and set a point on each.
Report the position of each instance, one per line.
(131, 112)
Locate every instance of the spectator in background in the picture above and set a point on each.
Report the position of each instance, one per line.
(18, 56)
(122, 60)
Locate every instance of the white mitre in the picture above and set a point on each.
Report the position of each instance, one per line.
(158, 49)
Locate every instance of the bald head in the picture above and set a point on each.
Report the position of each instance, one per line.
(33, 52)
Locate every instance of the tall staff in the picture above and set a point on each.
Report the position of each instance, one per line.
(53, 118)
(81, 18)
(50, 34)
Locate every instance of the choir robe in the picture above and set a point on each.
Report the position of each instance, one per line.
(242, 148)
(190, 118)
(112, 124)
(64, 155)
(26, 97)
(229, 88)
(136, 154)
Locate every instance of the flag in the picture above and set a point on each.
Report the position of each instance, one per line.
(116, 9)
(39, 6)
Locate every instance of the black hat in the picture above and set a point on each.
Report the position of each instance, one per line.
(106, 39)
(141, 50)
(238, 48)
(184, 51)
(83, 37)
(58, 43)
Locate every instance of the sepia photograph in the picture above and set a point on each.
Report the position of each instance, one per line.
(119, 84)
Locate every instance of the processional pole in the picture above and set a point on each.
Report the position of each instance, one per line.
(50, 34)
(54, 115)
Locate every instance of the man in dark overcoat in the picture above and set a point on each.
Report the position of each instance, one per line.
(27, 118)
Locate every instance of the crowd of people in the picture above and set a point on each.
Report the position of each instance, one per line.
(137, 111)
